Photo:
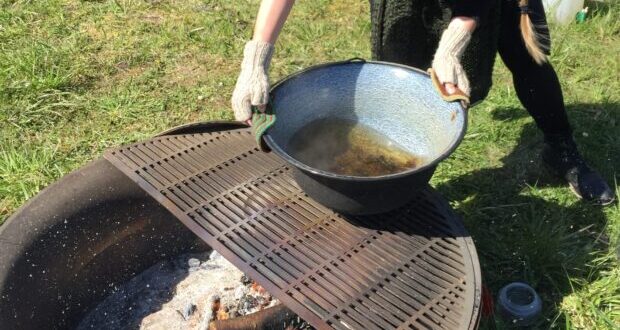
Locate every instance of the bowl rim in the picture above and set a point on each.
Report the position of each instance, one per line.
(280, 152)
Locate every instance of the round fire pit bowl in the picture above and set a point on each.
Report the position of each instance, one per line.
(73, 245)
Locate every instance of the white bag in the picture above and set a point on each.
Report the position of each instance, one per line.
(550, 6)
(563, 11)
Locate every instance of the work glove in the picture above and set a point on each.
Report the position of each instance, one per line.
(252, 88)
(447, 61)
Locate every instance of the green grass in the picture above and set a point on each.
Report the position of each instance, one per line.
(77, 77)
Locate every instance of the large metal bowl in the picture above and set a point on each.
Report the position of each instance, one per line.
(396, 100)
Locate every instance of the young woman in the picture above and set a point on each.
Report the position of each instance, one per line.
(405, 31)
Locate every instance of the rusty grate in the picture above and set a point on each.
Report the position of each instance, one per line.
(414, 268)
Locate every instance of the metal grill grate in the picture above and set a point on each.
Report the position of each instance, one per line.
(412, 268)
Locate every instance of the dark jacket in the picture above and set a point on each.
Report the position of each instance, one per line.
(408, 32)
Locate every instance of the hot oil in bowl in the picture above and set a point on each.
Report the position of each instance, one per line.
(348, 148)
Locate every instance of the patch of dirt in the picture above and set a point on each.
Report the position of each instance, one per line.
(124, 73)
(194, 69)
(494, 156)
(344, 7)
(186, 74)
(155, 18)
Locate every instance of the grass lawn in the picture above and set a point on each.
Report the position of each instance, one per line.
(77, 77)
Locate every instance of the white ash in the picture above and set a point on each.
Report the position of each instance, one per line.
(185, 293)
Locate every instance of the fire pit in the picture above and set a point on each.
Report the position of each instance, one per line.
(70, 246)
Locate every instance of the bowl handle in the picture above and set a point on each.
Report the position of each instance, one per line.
(261, 122)
(355, 59)
(459, 95)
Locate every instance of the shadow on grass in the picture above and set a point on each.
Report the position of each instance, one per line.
(525, 223)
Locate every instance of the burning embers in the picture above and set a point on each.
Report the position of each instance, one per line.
(190, 292)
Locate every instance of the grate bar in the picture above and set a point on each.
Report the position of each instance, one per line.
(410, 268)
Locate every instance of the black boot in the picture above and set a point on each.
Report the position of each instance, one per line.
(561, 155)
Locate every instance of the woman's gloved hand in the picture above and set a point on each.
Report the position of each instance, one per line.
(252, 86)
(447, 60)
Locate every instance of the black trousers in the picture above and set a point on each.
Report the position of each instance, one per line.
(537, 86)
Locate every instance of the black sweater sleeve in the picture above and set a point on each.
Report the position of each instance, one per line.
(468, 8)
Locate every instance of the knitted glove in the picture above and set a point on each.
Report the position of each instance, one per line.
(252, 86)
(446, 62)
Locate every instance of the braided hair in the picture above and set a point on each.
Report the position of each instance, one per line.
(529, 34)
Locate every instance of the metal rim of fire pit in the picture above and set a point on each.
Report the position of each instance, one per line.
(411, 268)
